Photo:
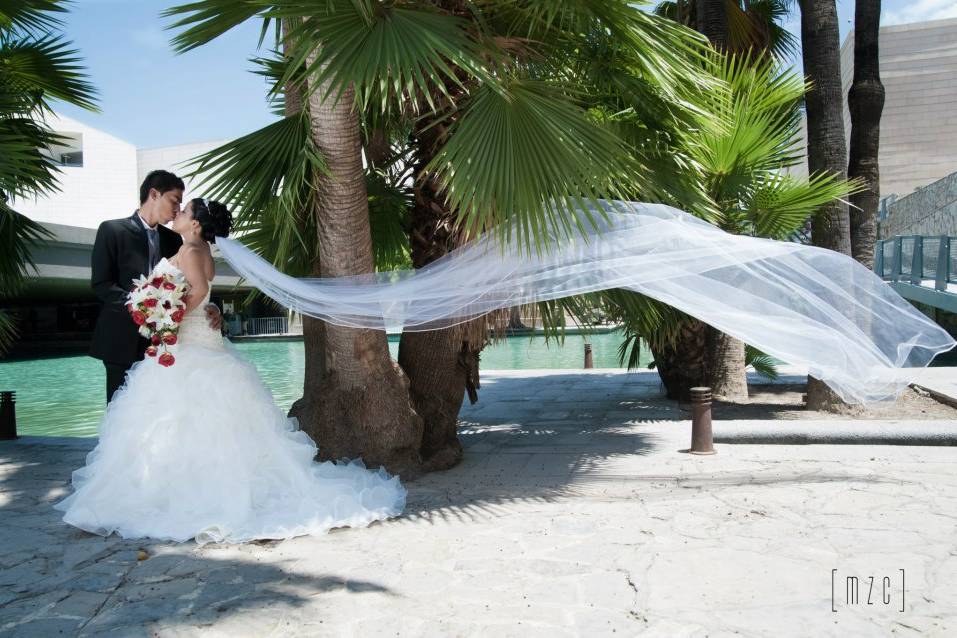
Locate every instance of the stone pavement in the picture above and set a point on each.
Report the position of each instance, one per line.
(574, 513)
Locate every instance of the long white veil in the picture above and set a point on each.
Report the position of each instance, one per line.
(801, 304)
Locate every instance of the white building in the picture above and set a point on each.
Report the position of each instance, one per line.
(101, 175)
(97, 180)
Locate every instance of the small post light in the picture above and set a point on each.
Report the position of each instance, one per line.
(702, 440)
(8, 415)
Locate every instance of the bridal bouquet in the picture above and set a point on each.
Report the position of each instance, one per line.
(157, 305)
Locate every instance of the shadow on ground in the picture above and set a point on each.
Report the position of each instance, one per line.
(534, 439)
(529, 439)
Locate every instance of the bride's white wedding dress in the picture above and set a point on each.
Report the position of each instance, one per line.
(200, 450)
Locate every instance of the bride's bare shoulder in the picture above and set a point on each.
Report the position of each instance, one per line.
(201, 259)
(195, 258)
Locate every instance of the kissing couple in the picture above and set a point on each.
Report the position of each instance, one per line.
(198, 450)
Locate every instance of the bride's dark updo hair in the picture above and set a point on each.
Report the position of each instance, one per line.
(214, 218)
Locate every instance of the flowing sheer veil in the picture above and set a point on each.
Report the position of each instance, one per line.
(801, 304)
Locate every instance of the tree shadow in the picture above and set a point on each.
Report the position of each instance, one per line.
(557, 449)
(58, 580)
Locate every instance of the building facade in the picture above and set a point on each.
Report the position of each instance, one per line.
(918, 65)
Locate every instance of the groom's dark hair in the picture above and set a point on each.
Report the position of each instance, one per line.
(163, 181)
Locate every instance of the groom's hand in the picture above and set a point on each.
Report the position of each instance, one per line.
(214, 316)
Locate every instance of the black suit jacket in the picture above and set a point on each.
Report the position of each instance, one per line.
(120, 255)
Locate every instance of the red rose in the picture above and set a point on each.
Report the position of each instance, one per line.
(155, 339)
(166, 359)
(151, 351)
(139, 318)
(150, 303)
(157, 282)
(169, 285)
(169, 339)
(178, 315)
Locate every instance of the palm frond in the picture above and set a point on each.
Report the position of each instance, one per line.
(755, 27)
(249, 172)
(778, 204)
(19, 235)
(662, 49)
(31, 16)
(754, 127)
(46, 66)
(389, 205)
(395, 56)
(273, 68)
(267, 178)
(765, 365)
(8, 332)
(530, 155)
(203, 21)
(769, 15)
(25, 169)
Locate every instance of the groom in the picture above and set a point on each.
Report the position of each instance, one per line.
(124, 250)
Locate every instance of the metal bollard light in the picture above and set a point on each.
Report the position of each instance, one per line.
(589, 361)
(702, 440)
(8, 415)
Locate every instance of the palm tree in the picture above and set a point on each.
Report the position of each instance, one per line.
(865, 102)
(749, 26)
(741, 153)
(826, 145)
(491, 101)
(702, 355)
(37, 66)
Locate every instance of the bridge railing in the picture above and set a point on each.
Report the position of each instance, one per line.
(917, 259)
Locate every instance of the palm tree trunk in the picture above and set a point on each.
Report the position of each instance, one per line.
(727, 365)
(826, 146)
(713, 22)
(361, 406)
(515, 319)
(441, 364)
(684, 364)
(723, 369)
(865, 102)
(313, 330)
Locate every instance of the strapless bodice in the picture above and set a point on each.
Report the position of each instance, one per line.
(194, 329)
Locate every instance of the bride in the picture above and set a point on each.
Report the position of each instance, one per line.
(199, 450)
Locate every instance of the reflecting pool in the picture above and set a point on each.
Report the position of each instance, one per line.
(63, 396)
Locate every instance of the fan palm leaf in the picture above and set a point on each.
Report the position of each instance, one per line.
(37, 66)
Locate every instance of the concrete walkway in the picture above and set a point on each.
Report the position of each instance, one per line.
(573, 514)
(940, 382)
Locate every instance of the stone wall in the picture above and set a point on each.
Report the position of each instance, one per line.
(931, 210)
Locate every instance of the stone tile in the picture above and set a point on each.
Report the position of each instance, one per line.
(562, 527)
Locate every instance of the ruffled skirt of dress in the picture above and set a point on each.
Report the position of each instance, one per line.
(200, 450)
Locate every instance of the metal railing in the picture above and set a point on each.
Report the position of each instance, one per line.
(915, 259)
(267, 326)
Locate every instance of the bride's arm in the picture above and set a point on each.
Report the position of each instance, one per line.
(191, 263)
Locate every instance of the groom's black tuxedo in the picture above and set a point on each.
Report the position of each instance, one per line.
(120, 255)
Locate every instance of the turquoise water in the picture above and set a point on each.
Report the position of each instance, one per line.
(64, 396)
